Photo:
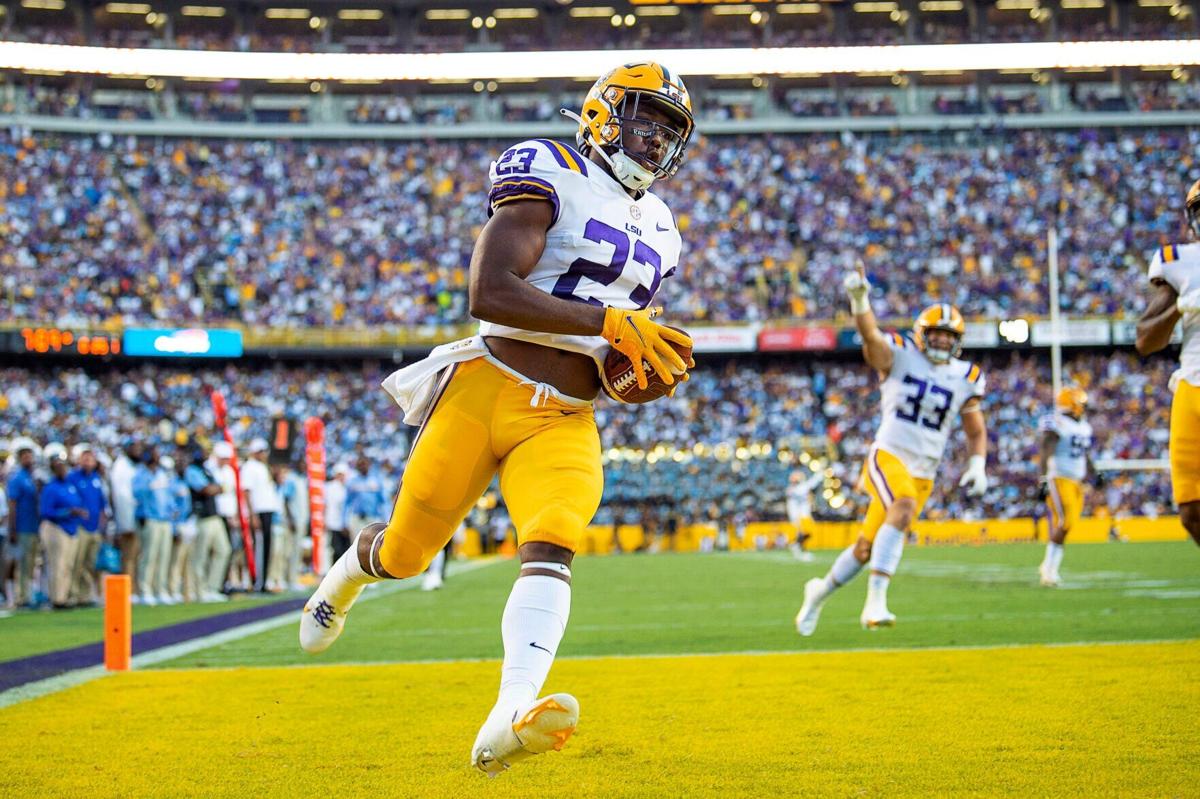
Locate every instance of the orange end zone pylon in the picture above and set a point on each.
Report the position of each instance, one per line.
(118, 622)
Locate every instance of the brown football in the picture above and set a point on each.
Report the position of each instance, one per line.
(620, 382)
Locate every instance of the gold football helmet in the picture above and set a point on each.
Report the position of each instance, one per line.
(1193, 208)
(1071, 400)
(942, 316)
(611, 109)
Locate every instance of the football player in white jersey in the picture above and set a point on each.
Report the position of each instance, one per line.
(1175, 296)
(1064, 460)
(798, 499)
(924, 387)
(566, 267)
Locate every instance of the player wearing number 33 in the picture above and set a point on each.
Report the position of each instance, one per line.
(924, 387)
(565, 268)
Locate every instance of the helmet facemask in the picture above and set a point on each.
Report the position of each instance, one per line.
(637, 171)
(937, 354)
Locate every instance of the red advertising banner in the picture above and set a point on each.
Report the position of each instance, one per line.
(797, 338)
(220, 411)
(314, 451)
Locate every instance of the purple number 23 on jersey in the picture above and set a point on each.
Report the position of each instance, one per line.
(607, 274)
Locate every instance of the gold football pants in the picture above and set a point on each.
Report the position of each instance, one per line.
(487, 420)
(1185, 443)
(1064, 496)
(886, 479)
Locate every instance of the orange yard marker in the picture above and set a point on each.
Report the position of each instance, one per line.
(118, 622)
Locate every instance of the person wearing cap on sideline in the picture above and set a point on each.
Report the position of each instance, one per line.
(210, 555)
(124, 507)
(62, 511)
(221, 466)
(264, 502)
(152, 492)
(24, 519)
(335, 511)
(87, 481)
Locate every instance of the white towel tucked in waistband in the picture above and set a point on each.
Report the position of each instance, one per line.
(413, 386)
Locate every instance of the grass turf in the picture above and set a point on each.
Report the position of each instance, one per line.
(34, 632)
(666, 604)
(1064, 721)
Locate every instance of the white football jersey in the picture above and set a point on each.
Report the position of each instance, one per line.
(1179, 266)
(1074, 442)
(921, 399)
(603, 247)
(798, 497)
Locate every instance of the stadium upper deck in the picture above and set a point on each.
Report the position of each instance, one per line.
(737, 101)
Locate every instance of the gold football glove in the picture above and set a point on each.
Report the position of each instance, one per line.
(638, 337)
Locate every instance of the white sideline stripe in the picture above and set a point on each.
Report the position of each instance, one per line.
(70, 679)
(872, 650)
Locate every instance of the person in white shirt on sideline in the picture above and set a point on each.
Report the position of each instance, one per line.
(120, 480)
(227, 509)
(335, 510)
(265, 503)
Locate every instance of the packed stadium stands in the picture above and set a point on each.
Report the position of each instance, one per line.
(726, 444)
(296, 234)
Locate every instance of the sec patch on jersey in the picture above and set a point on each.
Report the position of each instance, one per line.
(620, 381)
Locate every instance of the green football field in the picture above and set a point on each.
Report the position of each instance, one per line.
(692, 682)
(721, 602)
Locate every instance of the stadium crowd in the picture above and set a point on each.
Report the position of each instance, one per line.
(721, 451)
(295, 234)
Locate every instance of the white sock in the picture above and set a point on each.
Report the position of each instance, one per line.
(1054, 554)
(843, 570)
(886, 552)
(435, 565)
(877, 586)
(532, 627)
(346, 580)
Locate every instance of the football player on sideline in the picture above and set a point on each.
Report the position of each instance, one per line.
(1175, 295)
(799, 510)
(1064, 460)
(924, 387)
(567, 266)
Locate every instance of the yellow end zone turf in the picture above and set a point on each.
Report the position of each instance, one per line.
(1042, 721)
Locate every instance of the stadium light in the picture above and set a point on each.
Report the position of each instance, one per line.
(798, 8)
(44, 5)
(202, 11)
(127, 8)
(191, 64)
(287, 13)
(360, 14)
(515, 13)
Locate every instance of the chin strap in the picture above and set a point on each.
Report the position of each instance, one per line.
(623, 167)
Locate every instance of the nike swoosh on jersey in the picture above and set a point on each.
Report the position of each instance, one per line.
(660, 228)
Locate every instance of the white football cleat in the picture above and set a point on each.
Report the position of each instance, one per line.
(810, 611)
(324, 613)
(432, 580)
(876, 615)
(540, 727)
(1050, 580)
